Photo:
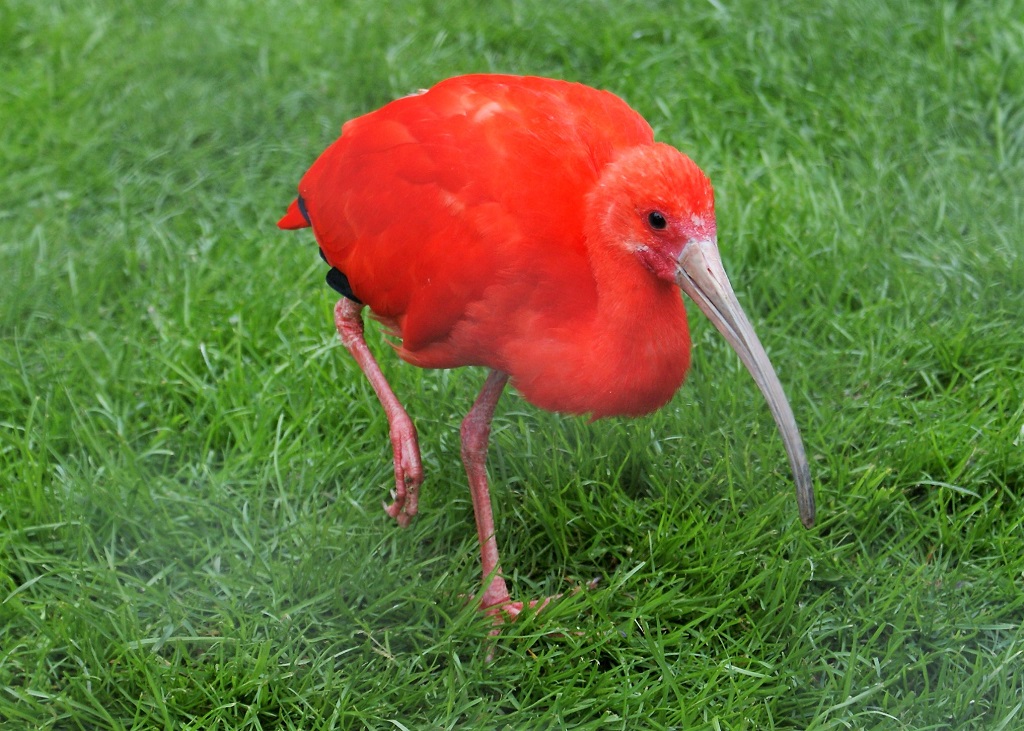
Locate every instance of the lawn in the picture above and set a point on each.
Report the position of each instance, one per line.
(192, 468)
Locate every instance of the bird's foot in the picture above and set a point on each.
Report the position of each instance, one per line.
(408, 471)
(505, 610)
(509, 611)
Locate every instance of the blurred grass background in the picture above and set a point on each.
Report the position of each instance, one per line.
(191, 467)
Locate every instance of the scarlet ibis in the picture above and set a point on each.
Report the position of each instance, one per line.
(534, 227)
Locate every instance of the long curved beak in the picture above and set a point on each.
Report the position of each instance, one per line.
(701, 276)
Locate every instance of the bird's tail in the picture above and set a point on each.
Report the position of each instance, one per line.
(295, 217)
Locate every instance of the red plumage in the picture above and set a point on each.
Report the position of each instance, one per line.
(458, 217)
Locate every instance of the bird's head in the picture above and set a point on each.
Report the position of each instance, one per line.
(655, 202)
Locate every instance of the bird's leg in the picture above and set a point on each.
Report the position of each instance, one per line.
(476, 431)
(348, 318)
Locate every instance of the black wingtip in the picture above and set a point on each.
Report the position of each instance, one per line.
(303, 210)
(337, 281)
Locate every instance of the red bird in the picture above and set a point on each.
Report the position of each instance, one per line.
(533, 227)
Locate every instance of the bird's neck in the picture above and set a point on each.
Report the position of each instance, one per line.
(639, 341)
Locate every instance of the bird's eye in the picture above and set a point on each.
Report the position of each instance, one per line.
(656, 220)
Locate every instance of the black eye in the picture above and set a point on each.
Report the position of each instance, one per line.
(656, 220)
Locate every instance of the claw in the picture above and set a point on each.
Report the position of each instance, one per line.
(510, 611)
(399, 511)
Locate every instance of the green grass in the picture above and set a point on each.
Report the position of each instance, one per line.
(191, 468)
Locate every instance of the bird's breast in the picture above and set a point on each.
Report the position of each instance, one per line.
(627, 368)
